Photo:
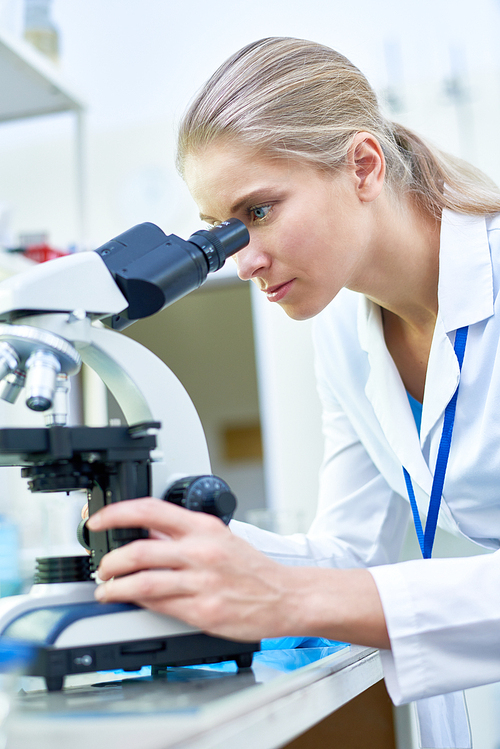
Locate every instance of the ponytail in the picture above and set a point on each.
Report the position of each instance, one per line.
(438, 180)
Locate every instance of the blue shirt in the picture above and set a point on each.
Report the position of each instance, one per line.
(416, 409)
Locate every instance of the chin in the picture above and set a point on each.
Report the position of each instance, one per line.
(299, 314)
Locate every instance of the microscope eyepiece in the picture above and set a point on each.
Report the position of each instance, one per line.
(221, 242)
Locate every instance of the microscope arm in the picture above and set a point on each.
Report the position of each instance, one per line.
(147, 390)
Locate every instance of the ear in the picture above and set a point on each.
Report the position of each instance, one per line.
(366, 162)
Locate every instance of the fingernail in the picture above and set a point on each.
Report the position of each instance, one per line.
(100, 593)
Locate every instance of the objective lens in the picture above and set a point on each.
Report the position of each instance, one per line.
(12, 385)
(60, 405)
(43, 368)
(9, 360)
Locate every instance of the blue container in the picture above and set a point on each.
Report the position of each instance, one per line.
(10, 577)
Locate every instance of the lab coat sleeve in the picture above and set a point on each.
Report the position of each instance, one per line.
(360, 521)
(443, 618)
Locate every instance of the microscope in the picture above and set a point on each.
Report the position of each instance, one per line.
(53, 317)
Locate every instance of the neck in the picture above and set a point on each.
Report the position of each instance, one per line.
(403, 280)
(401, 274)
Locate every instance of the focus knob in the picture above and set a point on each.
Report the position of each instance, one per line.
(208, 494)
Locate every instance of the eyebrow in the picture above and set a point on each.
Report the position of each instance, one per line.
(250, 197)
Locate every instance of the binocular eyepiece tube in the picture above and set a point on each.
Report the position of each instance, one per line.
(153, 270)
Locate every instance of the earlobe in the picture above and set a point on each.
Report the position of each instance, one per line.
(367, 162)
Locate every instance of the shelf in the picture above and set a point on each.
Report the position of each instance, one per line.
(30, 86)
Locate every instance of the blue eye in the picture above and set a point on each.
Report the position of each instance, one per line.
(259, 212)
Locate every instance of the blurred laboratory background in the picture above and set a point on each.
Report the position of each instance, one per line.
(90, 95)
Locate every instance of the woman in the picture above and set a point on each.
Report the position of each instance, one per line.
(394, 247)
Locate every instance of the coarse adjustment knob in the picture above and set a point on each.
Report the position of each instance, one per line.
(208, 494)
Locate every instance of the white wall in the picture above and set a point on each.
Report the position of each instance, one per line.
(206, 340)
(291, 417)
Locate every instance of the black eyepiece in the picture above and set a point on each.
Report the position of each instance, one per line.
(221, 242)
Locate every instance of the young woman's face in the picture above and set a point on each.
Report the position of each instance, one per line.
(308, 231)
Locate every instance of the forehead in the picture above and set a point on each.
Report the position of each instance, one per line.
(222, 174)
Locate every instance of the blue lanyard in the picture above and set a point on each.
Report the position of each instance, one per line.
(426, 539)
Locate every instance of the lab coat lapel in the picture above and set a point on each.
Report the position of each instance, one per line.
(385, 391)
(443, 376)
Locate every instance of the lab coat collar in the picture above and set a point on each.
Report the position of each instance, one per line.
(465, 288)
(465, 295)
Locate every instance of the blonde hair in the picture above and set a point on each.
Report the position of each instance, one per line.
(297, 99)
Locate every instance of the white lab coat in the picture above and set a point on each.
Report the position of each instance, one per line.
(443, 615)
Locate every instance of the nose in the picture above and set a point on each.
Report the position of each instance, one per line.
(251, 261)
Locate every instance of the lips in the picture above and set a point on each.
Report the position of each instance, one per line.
(276, 293)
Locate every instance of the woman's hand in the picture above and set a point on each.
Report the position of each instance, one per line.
(192, 567)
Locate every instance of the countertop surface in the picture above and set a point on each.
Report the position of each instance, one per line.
(283, 694)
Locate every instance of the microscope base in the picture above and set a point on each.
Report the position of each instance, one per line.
(185, 650)
(72, 634)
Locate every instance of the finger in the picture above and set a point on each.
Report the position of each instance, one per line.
(147, 585)
(166, 592)
(190, 552)
(141, 555)
(159, 534)
(178, 594)
(85, 512)
(156, 514)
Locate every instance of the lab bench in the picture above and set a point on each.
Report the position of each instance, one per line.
(281, 696)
